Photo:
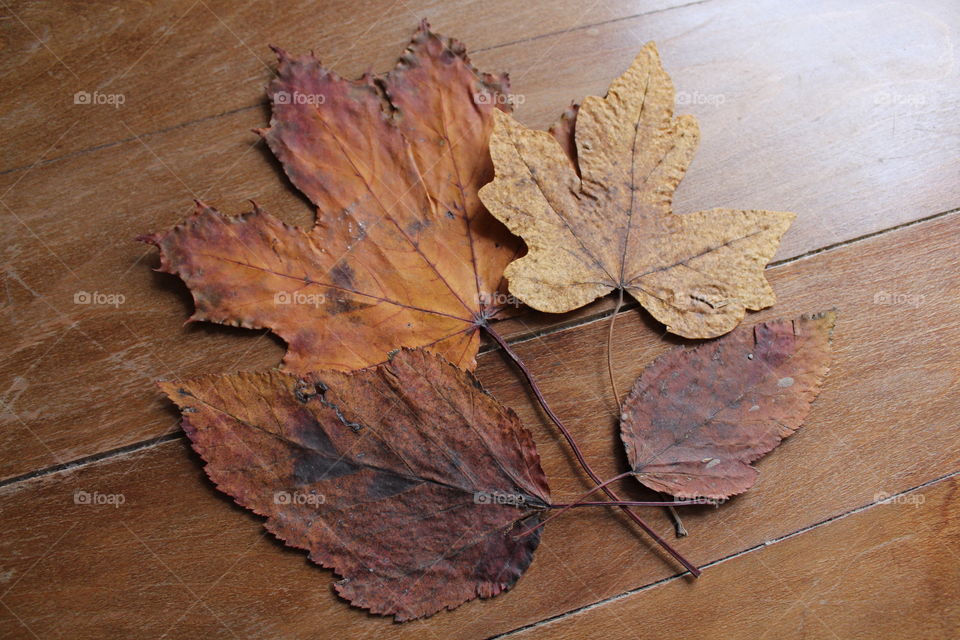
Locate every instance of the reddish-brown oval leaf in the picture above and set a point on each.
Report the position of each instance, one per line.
(402, 253)
(407, 479)
(696, 418)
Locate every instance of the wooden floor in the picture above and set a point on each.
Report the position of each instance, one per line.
(846, 112)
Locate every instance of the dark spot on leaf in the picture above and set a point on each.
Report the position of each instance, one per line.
(416, 227)
(386, 485)
(342, 275)
(310, 467)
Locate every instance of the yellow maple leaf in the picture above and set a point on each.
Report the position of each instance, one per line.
(610, 225)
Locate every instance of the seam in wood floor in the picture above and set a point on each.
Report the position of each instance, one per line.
(177, 435)
(627, 306)
(587, 26)
(732, 556)
(265, 102)
(117, 143)
(91, 459)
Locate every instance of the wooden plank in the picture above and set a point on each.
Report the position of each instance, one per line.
(890, 571)
(885, 422)
(70, 223)
(822, 108)
(754, 57)
(176, 62)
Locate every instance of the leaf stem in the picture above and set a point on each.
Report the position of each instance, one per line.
(680, 530)
(613, 382)
(579, 454)
(629, 503)
(580, 502)
(678, 527)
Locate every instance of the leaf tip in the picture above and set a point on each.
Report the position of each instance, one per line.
(281, 54)
(650, 49)
(174, 390)
(149, 238)
(788, 217)
(828, 317)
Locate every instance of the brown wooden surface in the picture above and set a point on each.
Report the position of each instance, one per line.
(870, 575)
(799, 129)
(175, 539)
(842, 111)
(181, 61)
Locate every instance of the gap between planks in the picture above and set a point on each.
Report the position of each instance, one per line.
(732, 556)
(264, 102)
(486, 348)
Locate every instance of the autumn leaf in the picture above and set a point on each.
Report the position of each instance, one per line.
(563, 131)
(402, 253)
(696, 418)
(596, 215)
(407, 479)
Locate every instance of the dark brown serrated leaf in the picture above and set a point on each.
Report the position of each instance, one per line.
(407, 479)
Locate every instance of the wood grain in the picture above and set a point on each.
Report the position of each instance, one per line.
(854, 134)
(178, 558)
(176, 62)
(890, 571)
